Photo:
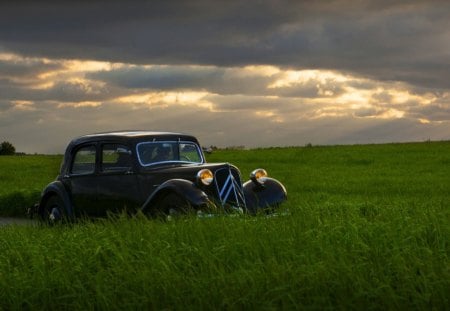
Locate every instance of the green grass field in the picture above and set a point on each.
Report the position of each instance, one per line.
(365, 227)
(22, 178)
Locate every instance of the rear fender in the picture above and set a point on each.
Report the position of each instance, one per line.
(270, 194)
(56, 188)
(184, 188)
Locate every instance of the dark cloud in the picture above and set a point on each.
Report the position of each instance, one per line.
(311, 88)
(62, 91)
(387, 40)
(213, 79)
(66, 91)
(160, 77)
(5, 105)
(218, 80)
(432, 113)
(437, 110)
(251, 103)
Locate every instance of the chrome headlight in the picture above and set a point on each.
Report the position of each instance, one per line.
(205, 177)
(258, 176)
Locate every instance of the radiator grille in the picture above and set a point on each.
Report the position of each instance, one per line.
(229, 187)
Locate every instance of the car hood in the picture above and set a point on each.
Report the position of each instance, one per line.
(185, 171)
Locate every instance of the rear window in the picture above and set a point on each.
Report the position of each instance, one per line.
(116, 158)
(84, 161)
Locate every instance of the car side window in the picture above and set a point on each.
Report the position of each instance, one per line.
(84, 161)
(116, 158)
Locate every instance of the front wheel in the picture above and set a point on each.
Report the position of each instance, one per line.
(173, 204)
(53, 211)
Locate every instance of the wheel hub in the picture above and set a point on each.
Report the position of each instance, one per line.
(55, 214)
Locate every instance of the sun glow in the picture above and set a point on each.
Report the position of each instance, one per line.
(291, 78)
(392, 114)
(266, 71)
(403, 96)
(15, 58)
(270, 115)
(82, 104)
(354, 98)
(71, 70)
(165, 99)
(23, 105)
(86, 66)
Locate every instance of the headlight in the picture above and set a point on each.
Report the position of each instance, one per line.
(205, 177)
(259, 176)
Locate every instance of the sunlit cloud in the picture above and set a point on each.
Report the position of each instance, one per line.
(76, 77)
(23, 105)
(164, 99)
(291, 78)
(79, 104)
(72, 72)
(88, 65)
(9, 57)
(269, 116)
(233, 101)
(262, 70)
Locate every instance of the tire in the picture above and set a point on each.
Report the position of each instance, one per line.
(172, 204)
(53, 211)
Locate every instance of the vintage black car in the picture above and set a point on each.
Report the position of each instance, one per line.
(158, 173)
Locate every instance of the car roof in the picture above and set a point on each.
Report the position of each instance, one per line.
(131, 136)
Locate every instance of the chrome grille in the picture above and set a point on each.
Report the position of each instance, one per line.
(229, 187)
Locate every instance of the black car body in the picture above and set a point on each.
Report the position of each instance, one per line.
(155, 172)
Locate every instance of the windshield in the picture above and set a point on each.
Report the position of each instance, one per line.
(150, 153)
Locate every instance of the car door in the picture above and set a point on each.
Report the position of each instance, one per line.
(117, 187)
(81, 178)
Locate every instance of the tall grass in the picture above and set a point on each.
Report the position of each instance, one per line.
(22, 178)
(365, 227)
(316, 257)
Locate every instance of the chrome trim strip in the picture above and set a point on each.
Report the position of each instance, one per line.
(227, 188)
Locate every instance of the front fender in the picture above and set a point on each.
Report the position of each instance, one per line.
(184, 188)
(269, 195)
(56, 188)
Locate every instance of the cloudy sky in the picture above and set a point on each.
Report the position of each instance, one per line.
(252, 73)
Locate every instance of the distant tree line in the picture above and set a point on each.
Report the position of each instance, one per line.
(212, 148)
(6, 148)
